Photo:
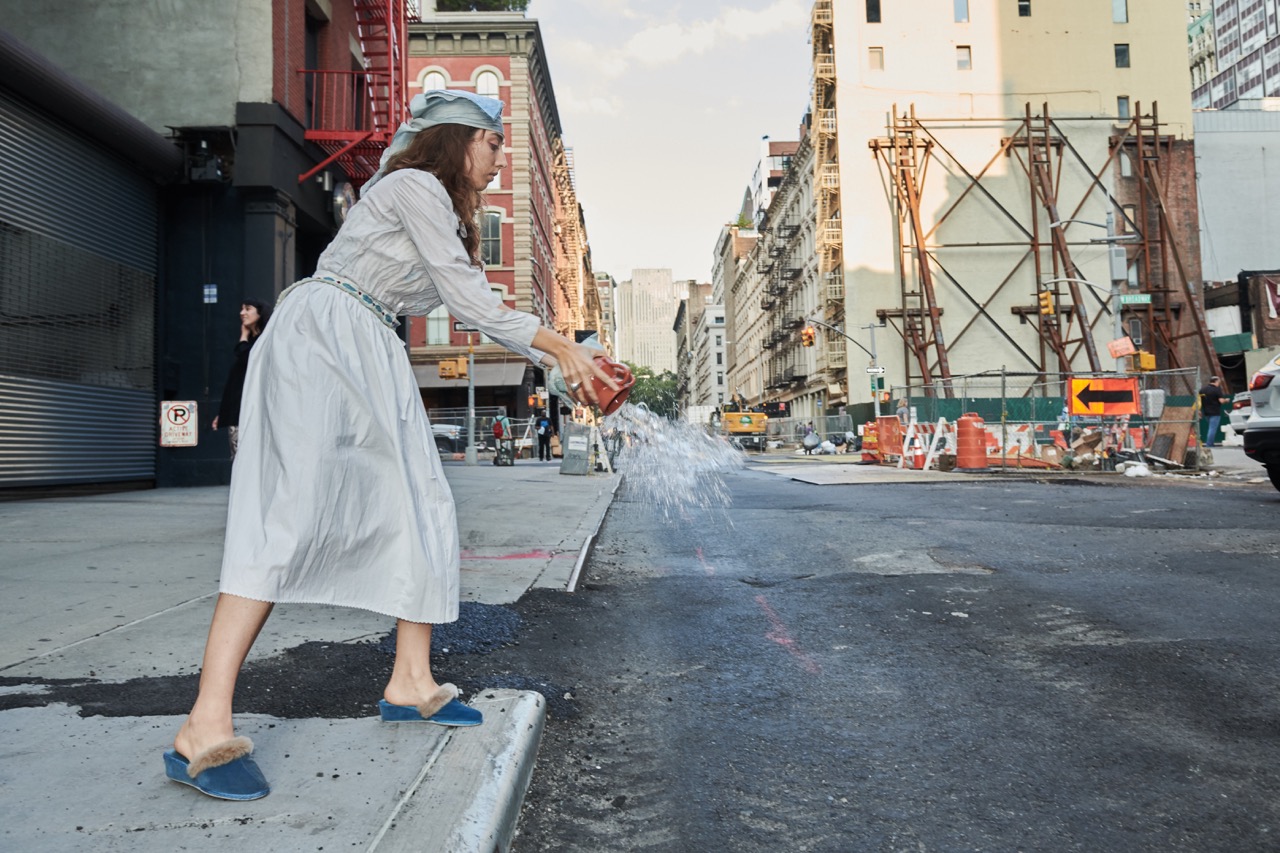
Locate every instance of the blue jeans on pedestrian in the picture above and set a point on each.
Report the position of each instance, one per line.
(1212, 432)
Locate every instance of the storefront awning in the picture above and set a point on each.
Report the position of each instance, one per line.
(487, 376)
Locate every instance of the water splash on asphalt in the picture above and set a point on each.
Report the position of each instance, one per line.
(675, 466)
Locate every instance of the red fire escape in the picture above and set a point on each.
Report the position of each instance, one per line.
(352, 115)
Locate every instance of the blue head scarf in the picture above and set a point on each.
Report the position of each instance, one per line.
(441, 106)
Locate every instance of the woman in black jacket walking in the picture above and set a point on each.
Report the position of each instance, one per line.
(253, 319)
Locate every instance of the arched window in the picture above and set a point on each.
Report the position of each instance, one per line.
(434, 80)
(491, 238)
(487, 84)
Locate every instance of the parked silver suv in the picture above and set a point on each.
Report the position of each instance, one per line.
(1262, 430)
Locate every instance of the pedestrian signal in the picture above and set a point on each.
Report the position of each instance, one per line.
(448, 369)
(461, 369)
(1046, 302)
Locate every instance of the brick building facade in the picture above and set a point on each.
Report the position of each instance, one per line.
(533, 229)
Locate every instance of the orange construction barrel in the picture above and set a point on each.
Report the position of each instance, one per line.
(870, 443)
(971, 443)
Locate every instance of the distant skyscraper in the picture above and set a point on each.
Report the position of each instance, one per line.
(646, 310)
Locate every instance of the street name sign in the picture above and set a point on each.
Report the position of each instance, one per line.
(1103, 397)
(1135, 299)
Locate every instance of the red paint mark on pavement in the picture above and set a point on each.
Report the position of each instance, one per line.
(706, 567)
(778, 633)
(524, 555)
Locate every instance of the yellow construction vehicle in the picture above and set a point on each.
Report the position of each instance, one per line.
(742, 426)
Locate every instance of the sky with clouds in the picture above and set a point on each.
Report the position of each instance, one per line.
(664, 103)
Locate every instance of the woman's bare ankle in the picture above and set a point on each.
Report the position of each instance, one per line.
(406, 692)
(196, 736)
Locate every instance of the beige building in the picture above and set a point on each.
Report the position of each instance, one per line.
(968, 129)
(732, 288)
(606, 295)
(788, 266)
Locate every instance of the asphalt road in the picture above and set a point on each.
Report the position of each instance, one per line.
(985, 666)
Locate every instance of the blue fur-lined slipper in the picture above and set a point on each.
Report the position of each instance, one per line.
(226, 771)
(443, 709)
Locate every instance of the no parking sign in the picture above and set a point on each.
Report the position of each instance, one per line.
(178, 423)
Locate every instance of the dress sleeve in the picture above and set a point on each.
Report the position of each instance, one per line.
(426, 213)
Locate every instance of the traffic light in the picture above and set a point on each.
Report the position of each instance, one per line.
(807, 335)
(461, 369)
(1046, 302)
(1142, 360)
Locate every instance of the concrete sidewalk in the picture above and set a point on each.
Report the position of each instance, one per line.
(120, 586)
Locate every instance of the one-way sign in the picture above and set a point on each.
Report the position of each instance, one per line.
(876, 371)
(1103, 397)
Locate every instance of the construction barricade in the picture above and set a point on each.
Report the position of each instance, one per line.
(1079, 422)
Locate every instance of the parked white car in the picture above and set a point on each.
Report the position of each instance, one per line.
(1241, 408)
(1262, 430)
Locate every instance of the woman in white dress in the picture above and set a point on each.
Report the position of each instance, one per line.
(337, 495)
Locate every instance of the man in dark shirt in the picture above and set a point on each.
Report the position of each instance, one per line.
(545, 430)
(1211, 400)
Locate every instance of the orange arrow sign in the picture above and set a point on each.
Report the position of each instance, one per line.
(1103, 397)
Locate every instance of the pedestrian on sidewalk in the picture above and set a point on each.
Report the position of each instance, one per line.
(253, 319)
(504, 439)
(1211, 400)
(339, 496)
(545, 431)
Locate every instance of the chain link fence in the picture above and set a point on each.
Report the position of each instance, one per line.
(790, 432)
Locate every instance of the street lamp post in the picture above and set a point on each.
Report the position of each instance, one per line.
(873, 367)
(1119, 264)
(470, 457)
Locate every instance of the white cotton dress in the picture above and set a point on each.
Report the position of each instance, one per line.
(337, 492)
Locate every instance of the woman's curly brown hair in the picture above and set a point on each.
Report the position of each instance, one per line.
(442, 151)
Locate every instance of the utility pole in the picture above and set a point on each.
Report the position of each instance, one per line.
(1119, 260)
(874, 369)
(1119, 264)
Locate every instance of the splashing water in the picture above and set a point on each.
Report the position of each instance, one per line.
(675, 466)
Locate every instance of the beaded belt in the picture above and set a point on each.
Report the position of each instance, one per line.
(383, 313)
